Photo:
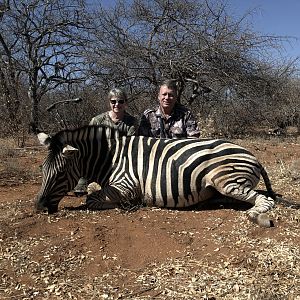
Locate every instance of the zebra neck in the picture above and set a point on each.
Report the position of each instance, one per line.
(96, 147)
(95, 158)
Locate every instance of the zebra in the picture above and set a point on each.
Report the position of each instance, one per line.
(169, 173)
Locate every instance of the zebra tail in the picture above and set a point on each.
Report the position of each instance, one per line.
(267, 182)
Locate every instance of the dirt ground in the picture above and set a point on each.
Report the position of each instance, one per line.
(208, 253)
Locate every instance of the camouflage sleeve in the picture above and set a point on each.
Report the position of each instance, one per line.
(191, 126)
(98, 120)
(144, 127)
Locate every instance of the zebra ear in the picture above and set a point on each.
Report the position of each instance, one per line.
(69, 151)
(44, 138)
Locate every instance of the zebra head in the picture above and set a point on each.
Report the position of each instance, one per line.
(58, 175)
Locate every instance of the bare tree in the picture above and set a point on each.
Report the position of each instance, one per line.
(198, 43)
(9, 77)
(221, 65)
(41, 42)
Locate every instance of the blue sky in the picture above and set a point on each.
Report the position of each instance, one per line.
(276, 17)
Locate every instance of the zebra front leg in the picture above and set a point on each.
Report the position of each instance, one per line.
(112, 196)
(107, 198)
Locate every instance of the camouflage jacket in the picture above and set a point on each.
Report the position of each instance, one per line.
(128, 124)
(180, 124)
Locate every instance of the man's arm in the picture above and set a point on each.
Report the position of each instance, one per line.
(192, 128)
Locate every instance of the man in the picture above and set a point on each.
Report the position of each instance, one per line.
(170, 119)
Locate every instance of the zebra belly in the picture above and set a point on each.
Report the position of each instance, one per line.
(181, 201)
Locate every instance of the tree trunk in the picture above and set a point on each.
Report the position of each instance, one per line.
(34, 114)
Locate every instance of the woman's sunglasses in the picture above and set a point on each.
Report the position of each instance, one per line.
(117, 101)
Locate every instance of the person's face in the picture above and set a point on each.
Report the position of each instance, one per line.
(167, 98)
(117, 105)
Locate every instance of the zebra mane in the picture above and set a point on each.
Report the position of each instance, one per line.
(59, 139)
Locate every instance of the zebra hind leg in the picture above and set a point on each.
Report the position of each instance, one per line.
(261, 204)
(257, 213)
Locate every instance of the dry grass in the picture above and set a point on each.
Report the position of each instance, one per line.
(294, 170)
(13, 168)
(258, 268)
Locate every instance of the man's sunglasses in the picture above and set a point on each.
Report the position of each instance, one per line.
(117, 101)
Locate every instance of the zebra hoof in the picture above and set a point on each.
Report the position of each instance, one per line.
(264, 221)
(261, 219)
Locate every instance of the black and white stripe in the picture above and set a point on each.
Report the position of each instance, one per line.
(159, 172)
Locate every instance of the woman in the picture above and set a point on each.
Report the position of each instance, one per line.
(116, 117)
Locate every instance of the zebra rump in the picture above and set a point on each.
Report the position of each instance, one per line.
(171, 173)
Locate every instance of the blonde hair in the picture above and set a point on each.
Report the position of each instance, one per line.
(171, 84)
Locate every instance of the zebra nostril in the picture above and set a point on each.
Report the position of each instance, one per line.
(40, 208)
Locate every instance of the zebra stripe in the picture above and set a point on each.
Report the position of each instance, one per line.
(159, 172)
